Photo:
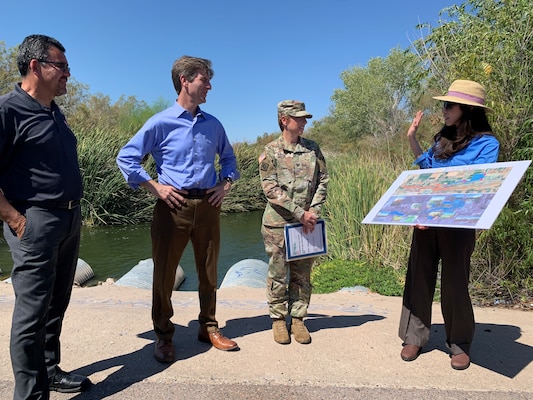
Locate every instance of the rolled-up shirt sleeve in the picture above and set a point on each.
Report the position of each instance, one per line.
(129, 159)
(227, 159)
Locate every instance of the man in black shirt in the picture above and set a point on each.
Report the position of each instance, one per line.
(40, 192)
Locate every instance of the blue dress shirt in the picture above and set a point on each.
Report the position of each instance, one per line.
(184, 147)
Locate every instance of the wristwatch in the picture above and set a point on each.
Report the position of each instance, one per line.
(228, 179)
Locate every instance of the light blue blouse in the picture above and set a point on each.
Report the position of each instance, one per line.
(483, 149)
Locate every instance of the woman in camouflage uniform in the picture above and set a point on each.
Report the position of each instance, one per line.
(294, 179)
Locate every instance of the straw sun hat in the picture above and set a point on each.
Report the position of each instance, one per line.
(466, 92)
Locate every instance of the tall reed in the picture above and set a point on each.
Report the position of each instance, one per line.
(356, 184)
(107, 198)
(246, 194)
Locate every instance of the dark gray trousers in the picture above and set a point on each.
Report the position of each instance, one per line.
(453, 247)
(44, 265)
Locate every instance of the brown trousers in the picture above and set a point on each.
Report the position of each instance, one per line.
(453, 247)
(171, 230)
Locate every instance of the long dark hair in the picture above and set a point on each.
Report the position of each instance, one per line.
(452, 139)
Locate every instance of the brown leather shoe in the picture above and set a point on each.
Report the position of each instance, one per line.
(217, 339)
(460, 361)
(164, 351)
(410, 352)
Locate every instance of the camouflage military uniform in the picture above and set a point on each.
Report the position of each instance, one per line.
(294, 179)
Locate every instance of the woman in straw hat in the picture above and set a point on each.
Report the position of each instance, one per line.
(466, 138)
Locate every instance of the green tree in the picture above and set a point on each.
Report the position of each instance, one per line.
(376, 98)
(8, 68)
(77, 94)
(490, 42)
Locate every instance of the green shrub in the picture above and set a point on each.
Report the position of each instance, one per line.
(246, 194)
(334, 275)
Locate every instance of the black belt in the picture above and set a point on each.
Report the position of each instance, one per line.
(61, 205)
(195, 193)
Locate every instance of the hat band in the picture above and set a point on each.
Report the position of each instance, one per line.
(467, 97)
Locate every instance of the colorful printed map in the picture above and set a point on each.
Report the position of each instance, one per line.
(469, 197)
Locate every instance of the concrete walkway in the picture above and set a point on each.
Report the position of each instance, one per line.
(354, 353)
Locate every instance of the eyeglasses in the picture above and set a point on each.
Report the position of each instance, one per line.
(58, 64)
(448, 105)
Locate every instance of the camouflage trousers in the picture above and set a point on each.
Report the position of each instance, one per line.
(288, 283)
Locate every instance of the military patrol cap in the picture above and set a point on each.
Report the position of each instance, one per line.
(293, 108)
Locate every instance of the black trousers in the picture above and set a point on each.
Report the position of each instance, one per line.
(453, 247)
(44, 265)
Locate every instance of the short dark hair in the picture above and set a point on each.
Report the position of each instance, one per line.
(189, 67)
(35, 47)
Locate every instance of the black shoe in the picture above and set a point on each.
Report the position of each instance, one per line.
(66, 382)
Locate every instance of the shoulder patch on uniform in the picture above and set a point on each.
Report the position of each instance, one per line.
(264, 166)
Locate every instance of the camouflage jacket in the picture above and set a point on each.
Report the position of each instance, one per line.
(294, 179)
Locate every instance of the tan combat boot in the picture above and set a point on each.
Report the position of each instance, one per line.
(281, 335)
(300, 332)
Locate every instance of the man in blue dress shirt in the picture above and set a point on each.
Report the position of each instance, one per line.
(184, 142)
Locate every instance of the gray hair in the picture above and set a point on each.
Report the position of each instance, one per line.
(35, 47)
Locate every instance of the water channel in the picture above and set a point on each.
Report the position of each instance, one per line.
(111, 251)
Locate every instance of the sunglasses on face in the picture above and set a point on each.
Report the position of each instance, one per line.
(448, 105)
(57, 64)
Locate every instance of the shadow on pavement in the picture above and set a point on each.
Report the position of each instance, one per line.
(495, 348)
(127, 365)
(318, 322)
(239, 327)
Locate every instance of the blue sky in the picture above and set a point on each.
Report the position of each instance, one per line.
(262, 51)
